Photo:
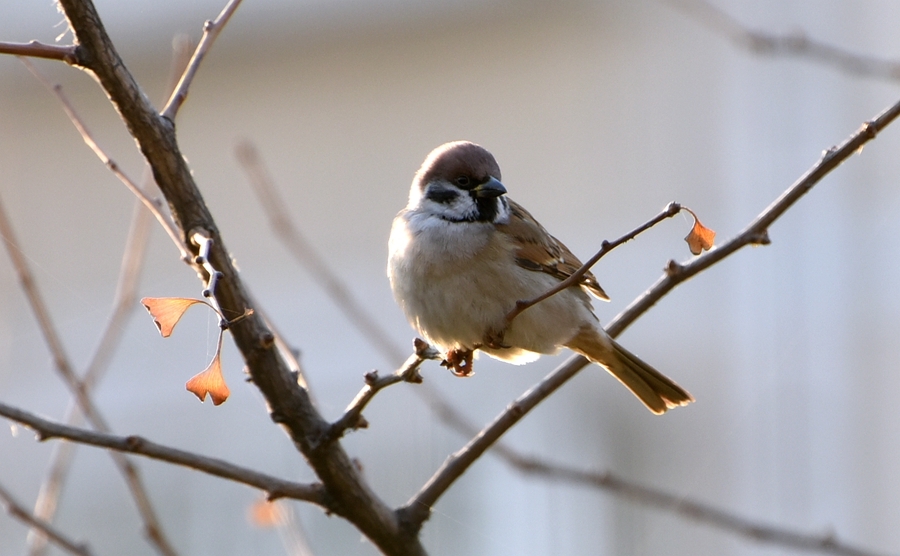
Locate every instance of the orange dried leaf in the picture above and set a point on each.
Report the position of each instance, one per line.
(167, 311)
(700, 238)
(264, 513)
(210, 381)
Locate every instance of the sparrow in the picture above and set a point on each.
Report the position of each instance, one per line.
(462, 253)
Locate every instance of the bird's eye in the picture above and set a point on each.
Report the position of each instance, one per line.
(462, 181)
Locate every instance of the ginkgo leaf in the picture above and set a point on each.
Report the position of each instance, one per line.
(210, 381)
(700, 238)
(167, 311)
(264, 513)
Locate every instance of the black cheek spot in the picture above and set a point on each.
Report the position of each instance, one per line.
(443, 196)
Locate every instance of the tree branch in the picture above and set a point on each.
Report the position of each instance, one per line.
(153, 205)
(417, 510)
(211, 30)
(274, 487)
(35, 49)
(19, 512)
(307, 255)
(289, 403)
(757, 232)
(793, 44)
(409, 372)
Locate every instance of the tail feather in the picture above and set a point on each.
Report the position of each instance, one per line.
(658, 392)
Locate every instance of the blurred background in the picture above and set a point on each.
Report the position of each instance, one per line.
(599, 114)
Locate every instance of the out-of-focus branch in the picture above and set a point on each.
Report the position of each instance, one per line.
(418, 508)
(796, 44)
(305, 254)
(683, 506)
(211, 30)
(123, 306)
(86, 405)
(273, 486)
(19, 512)
(35, 49)
(153, 205)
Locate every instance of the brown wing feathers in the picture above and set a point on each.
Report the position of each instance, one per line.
(539, 251)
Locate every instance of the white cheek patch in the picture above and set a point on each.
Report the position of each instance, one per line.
(448, 202)
(503, 211)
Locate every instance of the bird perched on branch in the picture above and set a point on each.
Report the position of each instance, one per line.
(462, 254)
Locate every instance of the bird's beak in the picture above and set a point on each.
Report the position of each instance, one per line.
(489, 189)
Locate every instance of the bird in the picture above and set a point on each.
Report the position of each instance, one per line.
(462, 254)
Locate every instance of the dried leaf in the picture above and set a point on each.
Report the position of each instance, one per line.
(700, 238)
(210, 381)
(265, 514)
(167, 311)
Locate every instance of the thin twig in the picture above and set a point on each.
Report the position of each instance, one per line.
(64, 368)
(409, 372)
(153, 205)
(211, 30)
(671, 210)
(417, 510)
(19, 512)
(273, 486)
(757, 232)
(791, 44)
(36, 49)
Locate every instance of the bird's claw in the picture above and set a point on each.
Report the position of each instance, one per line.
(459, 361)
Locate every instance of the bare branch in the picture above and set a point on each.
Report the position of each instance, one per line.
(274, 487)
(211, 30)
(417, 510)
(793, 44)
(757, 232)
(153, 205)
(35, 49)
(409, 372)
(19, 512)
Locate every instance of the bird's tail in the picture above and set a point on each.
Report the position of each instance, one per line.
(657, 391)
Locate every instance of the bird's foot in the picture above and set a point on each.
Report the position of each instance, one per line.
(459, 361)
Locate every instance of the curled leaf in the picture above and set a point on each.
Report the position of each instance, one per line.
(167, 311)
(700, 237)
(265, 514)
(210, 381)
